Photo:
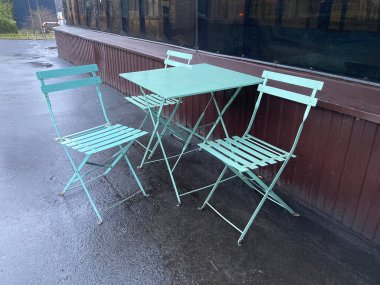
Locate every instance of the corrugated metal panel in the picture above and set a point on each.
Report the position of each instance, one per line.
(337, 170)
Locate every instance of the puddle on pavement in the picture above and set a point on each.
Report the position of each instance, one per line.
(24, 56)
(41, 64)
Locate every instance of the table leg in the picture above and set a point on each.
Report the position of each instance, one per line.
(193, 131)
(155, 123)
(220, 116)
(156, 132)
(165, 127)
(219, 119)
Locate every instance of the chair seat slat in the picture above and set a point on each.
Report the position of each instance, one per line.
(118, 142)
(91, 134)
(263, 157)
(256, 151)
(249, 151)
(153, 101)
(106, 142)
(223, 158)
(81, 133)
(242, 152)
(141, 100)
(267, 144)
(267, 148)
(100, 135)
(105, 136)
(136, 102)
(154, 98)
(230, 154)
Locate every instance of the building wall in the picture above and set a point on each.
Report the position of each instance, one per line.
(336, 174)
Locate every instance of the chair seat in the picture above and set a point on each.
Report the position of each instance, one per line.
(244, 153)
(153, 101)
(101, 138)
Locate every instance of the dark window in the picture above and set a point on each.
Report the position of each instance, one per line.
(335, 36)
(170, 21)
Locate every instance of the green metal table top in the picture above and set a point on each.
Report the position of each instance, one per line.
(189, 80)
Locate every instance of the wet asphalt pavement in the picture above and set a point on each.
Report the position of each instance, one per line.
(48, 239)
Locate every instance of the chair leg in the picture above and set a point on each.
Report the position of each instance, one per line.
(144, 120)
(168, 122)
(254, 215)
(213, 188)
(155, 131)
(100, 220)
(135, 176)
(170, 171)
(122, 151)
(74, 177)
(272, 196)
(192, 132)
(220, 114)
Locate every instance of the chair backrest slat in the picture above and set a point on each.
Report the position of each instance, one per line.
(75, 70)
(186, 58)
(307, 100)
(178, 54)
(300, 81)
(265, 88)
(71, 84)
(174, 63)
(86, 76)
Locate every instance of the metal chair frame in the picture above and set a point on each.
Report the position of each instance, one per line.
(90, 141)
(242, 155)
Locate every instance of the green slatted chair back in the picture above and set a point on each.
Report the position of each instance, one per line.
(65, 83)
(184, 57)
(152, 101)
(308, 100)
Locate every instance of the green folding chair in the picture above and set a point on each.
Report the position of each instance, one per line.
(90, 141)
(153, 101)
(242, 155)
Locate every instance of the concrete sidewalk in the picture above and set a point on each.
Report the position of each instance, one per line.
(47, 239)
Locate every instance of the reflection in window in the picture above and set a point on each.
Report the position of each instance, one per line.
(160, 20)
(335, 36)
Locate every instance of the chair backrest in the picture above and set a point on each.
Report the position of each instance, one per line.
(185, 57)
(314, 85)
(308, 100)
(69, 83)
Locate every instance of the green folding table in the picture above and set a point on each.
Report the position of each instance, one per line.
(184, 81)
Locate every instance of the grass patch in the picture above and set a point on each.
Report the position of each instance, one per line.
(27, 36)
